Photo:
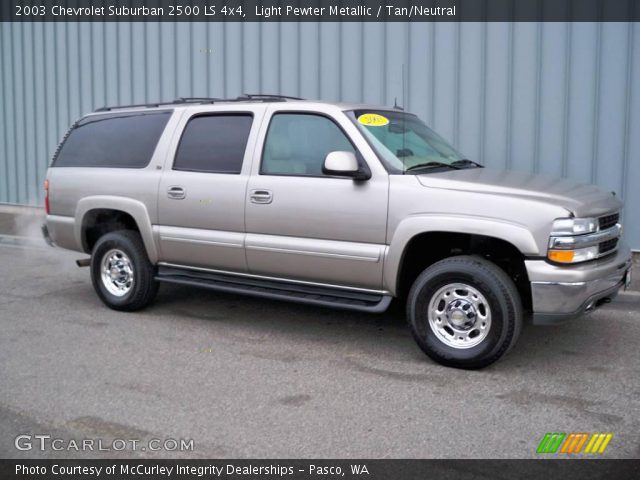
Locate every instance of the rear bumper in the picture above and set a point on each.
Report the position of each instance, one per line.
(561, 293)
(60, 230)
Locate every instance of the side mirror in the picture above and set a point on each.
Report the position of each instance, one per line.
(344, 164)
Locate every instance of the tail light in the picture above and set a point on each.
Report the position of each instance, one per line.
(47, 209)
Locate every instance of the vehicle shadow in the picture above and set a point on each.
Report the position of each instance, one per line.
(387, 335)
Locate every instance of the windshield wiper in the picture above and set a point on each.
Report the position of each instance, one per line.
(432, 165)
(466, 162)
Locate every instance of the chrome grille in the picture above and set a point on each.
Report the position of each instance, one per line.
(608, 221)
(607, 246)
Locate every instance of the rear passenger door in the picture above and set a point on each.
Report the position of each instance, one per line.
(202, 191)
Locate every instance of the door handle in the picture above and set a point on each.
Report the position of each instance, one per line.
(176, 193)
(261, 196)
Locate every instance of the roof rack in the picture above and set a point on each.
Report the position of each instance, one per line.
(197, 100)
(265, 97)
(245, 97)
(148, 105)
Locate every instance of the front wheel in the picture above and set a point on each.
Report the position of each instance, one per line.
(464, 312)
(121, 273)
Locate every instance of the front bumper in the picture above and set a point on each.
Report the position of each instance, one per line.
(560, 293)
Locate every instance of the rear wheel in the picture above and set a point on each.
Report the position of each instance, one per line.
(121, 273)
(464, 312)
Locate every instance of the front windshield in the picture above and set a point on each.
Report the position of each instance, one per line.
(405, 143)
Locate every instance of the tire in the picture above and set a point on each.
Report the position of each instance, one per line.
(129, 285)
(464, 312)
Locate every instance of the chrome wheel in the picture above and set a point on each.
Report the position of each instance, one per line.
(459, 315)
(117, 272)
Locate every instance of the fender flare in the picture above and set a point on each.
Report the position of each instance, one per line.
(516, 234)
(135, 208)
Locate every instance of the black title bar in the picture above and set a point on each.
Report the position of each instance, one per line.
(319, 10)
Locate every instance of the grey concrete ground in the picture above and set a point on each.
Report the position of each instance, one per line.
(252, 378)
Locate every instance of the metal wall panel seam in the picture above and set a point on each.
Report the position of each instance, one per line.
(116, 40)
(567, 104)
(26, 160)
(456, 88)
(509, 113)
(145, 70)
(160, 82)
(21, 93)
(482, 131)
(192, 79)
(242, 66)
(105, 59)
(406, 74)
(362, 46)
(45, 102)
(627, 117)
(176, 73)
(4, 181)
(432, 100)
(261, 63)
(56, 73)
(596, 106)
(385, 86)
(538, 95)
(92, 83)
(79, 73)
(37, 140)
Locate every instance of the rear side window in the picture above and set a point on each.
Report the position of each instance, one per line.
(214, 143)
(116, 140)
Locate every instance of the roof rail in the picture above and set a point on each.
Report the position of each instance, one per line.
(257, 97)
(115, 107)
(261, 96)
(197, 100)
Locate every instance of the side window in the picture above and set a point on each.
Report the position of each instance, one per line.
(116, 140)
(297, 144)
(214, 143)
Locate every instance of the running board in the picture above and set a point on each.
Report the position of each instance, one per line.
(278, 290)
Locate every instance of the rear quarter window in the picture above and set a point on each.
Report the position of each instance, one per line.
(115, 140)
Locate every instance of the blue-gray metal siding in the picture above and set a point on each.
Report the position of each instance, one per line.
(560, 98)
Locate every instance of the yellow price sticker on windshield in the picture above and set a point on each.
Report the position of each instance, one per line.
(373, 120)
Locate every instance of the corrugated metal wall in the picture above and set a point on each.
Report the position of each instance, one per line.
(561, 98)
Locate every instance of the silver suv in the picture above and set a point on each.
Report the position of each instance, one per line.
(330, 204)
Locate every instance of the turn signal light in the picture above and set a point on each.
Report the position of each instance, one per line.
(573, 256)
(561, 256)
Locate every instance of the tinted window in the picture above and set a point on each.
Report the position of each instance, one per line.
(297, 144)
(118, 140)
(214, 143)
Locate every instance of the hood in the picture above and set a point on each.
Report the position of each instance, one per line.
(580, 199)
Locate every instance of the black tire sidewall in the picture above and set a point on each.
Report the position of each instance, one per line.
(131, 244)
(504, 313)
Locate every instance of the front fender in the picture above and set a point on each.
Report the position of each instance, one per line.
(135, 208)
(516, 234)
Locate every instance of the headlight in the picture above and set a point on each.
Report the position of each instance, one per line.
(568, 238)
(573, 256)
(574, 226)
